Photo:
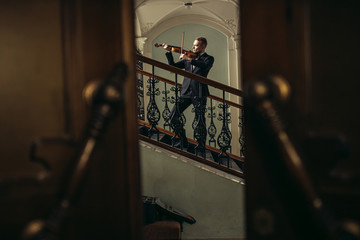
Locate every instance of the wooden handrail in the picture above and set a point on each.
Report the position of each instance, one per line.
(184, 73)
(173, 83)
(157, 77)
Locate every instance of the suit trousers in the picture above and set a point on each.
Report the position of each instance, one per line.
(182, 105)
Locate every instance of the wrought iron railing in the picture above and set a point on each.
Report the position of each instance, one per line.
(221, 141)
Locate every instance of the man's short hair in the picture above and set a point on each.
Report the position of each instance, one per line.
(202, 40)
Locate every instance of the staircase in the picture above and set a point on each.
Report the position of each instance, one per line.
(224, 133)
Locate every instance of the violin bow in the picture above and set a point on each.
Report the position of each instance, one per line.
(182, 43)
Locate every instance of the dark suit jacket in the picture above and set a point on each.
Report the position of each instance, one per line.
(201, 67)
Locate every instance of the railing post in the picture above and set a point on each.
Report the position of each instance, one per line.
(166, 112)
(224, 138)
(153, 113)
(212, 128)
(178, 119)
(242, 136)
(200, 127)
(140, 92)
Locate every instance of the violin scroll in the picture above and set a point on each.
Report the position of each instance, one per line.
(159, 45)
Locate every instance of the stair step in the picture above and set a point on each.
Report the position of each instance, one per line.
(231, 163)
(157, 136)
(209, 155)
(143, 130)
(166, 139)
(240, 165)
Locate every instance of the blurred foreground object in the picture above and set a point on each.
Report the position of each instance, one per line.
(282, 202)
(39, 206)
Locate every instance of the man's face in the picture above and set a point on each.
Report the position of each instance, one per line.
(198, 47)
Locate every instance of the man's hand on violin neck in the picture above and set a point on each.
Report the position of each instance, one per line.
(167, 47)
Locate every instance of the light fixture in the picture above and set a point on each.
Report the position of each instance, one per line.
(188, 5)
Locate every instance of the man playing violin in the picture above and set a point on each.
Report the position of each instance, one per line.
(192, 92)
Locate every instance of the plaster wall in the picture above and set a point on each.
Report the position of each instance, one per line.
(213, 198)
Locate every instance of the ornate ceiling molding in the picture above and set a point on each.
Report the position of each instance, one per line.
(153, 13)
(190, 19)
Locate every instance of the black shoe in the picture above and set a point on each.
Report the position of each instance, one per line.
(185, 143)
(200, 152)
(190, 149)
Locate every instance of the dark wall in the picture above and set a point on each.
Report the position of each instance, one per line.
(335, 51)
(314, 45)
(31, 76)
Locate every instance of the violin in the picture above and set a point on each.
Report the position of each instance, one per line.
(179, 50)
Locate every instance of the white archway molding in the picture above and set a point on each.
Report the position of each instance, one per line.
(139, 3)
(161, 27)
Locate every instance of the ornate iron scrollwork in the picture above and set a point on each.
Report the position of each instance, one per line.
(166, 112)
(174, 100)
(194, 122)
(200, 126)
(140, 98)
(178, 120)
(242, 137)
(140, 91)
(225, 136)
(200, 132)
(212, 128)
(153, 112)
